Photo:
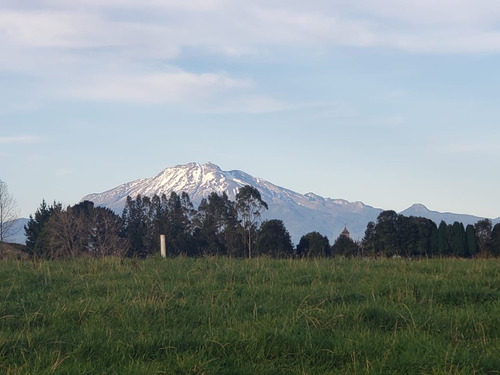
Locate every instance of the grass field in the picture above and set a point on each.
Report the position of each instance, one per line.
(259, 316)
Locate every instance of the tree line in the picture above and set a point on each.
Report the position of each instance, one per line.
(222, 227)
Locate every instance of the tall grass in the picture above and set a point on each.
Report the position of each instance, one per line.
(259, 316)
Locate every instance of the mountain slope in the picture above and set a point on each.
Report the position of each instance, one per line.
(301, 213)
(16, 233)
(448, 217)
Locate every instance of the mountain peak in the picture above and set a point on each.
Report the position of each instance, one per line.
(418, 207)
(300, 213)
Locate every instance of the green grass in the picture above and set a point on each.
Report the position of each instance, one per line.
(259, 316)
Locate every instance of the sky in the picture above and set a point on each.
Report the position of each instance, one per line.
(386, 102)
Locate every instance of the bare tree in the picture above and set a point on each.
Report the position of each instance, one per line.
(83, 230)
(8, 212)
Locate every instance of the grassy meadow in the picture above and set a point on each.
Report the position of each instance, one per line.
(240, 316)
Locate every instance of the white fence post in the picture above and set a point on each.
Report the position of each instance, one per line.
(163, 246)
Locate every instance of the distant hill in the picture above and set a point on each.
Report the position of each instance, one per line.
(16, 233)
(448, 217)
(301, 213)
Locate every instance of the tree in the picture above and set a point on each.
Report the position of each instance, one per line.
(36, 239)
(368, 241)
(470, 234)
(395, 234)
(274, 239)
(483, 232)
(136, 225)
(83, 230)
(103, 227)
(178, 226)
(443, 239)
(313, 244)
(249, 205)
(495, 240)
(384, 237)
(8, 212)
(216, 221)
(459, 240)
(345, 246)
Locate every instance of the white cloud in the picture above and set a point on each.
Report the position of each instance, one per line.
(155, 87)
(189, 5)
(124, 50)
(252, 104)
(20, 139)
(466, 147)
(460, 26)
(46, 29)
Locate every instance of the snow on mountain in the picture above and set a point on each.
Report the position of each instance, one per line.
(300, 213)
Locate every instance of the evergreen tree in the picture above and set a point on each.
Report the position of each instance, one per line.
(369, 240)
(346, 247)
(470, 234)
(274, 239)
(395, 234)
(179, 231)
(312, 245)
(426, 235)
(459, 240)
(136, 226)
(443, 239)
(34, 228)
(216, 219)
(103, 227)
(495, 240)
(387, 239)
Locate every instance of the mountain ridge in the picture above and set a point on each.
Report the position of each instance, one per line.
(301, 213)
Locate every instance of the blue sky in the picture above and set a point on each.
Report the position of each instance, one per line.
(388, 102)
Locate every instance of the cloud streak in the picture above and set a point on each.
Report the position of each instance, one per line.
(155, 87)
(20, 139)
(131, 51)
(457, 27)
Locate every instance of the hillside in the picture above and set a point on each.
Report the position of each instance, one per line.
(301, 213)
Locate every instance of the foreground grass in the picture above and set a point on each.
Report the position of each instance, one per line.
(261, 316)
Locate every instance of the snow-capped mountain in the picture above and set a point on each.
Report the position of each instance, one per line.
(301, 213)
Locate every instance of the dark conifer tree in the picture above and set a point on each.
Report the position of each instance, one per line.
(274, 239)
(216, 219)
(443, 239)
(179, 230)
(495, 240)
(459, 240)
(312, 245)
(34, 228)
(470, 234)
(345, 246)
(369, 240)
(135, 226)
